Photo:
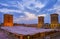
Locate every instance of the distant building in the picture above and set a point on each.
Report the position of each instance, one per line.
(8, 20)
(2, 24)
(46, 26)
(54, 20)
(40, 22)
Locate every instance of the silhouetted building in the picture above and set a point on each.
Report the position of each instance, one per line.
(40, 22)
(8, 20)
(54, 20)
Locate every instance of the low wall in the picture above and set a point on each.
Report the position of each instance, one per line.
(38, 35)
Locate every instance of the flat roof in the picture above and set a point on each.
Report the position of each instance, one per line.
(25, 30)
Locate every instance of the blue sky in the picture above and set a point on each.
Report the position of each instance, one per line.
(27, 11)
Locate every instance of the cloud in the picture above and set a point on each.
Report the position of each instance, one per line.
(31, 13)
(10, 4)
(5, 10)
(55, 8)
(39, 5)
(28, 17)
(21, 5)
(4, 4)
(30, 4)
(44, 15)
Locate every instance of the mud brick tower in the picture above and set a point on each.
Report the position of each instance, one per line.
(8, 20)
(40, 21)
(54, 21)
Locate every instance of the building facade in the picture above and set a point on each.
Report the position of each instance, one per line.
(8, 20)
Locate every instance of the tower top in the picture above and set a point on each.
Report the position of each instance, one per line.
(8, 14)
(54, 14)
(40, 16)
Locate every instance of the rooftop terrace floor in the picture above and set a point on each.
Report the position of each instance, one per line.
(25, 30)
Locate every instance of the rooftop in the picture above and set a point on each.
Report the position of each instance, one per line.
(25, 30)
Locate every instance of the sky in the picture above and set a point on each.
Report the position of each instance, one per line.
(27, 11)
